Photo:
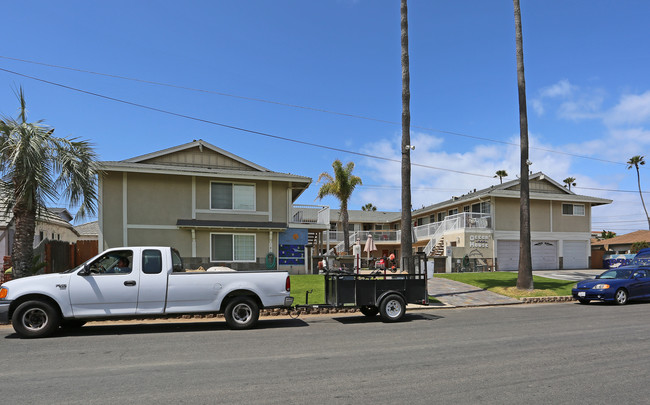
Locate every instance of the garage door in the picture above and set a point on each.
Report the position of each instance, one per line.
(508, 254)
(575, 254)
(544, 255)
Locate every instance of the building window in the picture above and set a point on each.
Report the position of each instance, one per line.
(381, 227)
(466, 208)
(482, 207)
(453, 212)
(229, 196)
(420, 221)
(441, 216)
(573, 209)
(232, 248)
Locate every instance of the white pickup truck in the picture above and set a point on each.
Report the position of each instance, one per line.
(137, 282)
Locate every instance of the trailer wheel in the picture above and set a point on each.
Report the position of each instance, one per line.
(35, 319)
(241, 313)
(369, 310)
(392, 308)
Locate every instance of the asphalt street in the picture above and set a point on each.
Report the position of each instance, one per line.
(546, 353)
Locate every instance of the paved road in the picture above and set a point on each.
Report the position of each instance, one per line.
(546, 353)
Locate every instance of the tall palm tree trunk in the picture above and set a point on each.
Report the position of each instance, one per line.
(525, 273)
(638, 179)
(23, 248)
(344, 221)
(406, 225)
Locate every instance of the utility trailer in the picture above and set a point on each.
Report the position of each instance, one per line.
(380, 292)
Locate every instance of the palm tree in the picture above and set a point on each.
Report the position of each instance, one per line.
(525, 272)
(36, 168)
(569, 181)
(369, 207)
(406, 239)
(340, 186)
(636, 161)
(501, 174)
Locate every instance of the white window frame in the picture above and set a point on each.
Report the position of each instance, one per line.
(573, 210)
(212, 259)
(232, 202)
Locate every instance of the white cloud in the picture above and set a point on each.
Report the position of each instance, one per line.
(560, 89)
(631, 109)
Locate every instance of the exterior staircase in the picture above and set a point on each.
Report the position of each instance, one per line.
(439, 249)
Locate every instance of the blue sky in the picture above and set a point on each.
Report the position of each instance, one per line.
(587, 83)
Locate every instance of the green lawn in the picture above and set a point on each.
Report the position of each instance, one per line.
(302, 283)
(505, 283)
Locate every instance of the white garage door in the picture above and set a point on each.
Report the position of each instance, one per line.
(544, 255)
(508, 254)
(575, 254)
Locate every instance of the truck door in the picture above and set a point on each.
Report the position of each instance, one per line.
(153, 282)
(111, 288)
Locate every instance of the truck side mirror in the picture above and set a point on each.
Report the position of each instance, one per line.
(85, 271)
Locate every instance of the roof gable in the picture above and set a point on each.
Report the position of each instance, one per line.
(540, 183)
(197, 154)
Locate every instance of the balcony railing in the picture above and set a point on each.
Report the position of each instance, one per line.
(310, 214)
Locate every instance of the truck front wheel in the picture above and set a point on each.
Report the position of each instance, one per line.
(242, 313)
(35, 319)
(392, 308)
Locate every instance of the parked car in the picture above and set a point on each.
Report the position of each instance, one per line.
(620, 285)
(138, 282)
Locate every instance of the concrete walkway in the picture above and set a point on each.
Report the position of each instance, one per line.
(455, 294)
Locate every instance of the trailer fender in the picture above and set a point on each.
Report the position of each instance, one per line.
(386, 293)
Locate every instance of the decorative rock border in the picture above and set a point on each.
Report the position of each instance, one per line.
(536, 300)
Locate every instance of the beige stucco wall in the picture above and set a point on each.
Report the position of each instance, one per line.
(111, 209)
(158, 199)
(570, 223)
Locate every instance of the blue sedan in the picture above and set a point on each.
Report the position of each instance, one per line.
(616, 285)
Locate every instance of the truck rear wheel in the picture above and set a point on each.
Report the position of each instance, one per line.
(369, 310)
(35, 319)
(392, 308)
(242, 313)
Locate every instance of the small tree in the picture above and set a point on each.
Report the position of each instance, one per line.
(636, 246)
(636, 161)
(369, 207)
(341, 186)
(38, 167)
(501, 174)
(607, 234)
(569, 181)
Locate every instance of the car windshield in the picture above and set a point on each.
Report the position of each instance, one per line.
(620, 273)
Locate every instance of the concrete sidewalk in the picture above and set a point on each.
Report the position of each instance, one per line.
(455, 294)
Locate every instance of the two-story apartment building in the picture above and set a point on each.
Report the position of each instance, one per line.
(483, 226)
(213, 206)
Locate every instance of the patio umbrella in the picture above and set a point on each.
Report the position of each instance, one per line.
(370, 245)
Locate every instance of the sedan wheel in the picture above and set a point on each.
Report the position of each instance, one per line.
(621, 297)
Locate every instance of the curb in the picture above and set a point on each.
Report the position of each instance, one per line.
(536, 300)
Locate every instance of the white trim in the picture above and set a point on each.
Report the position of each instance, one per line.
(231, 212)
(233, 184)
(146, 226)
(125, 233)
(270, 193)
(100, 214)
(550, 204)
(194, 171)
(193, 197)
(193, 242)
(233, 247)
